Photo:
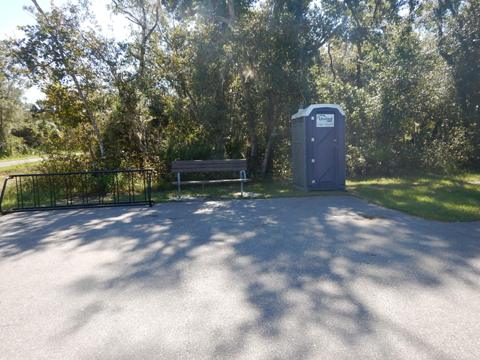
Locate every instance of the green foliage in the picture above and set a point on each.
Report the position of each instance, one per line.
(56, 54)
(127, 130)
(12, 111)
(401, 116)
(64, 162)
(457, 24)
(215, 79)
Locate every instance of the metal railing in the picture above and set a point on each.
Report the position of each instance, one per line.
(28, 192)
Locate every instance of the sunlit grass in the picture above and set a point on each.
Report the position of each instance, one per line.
(444, 198)
(19, 169)
(255, 190)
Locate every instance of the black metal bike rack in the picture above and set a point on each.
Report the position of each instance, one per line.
(99, 188)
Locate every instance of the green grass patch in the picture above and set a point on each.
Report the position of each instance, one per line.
(9, 200)
(443, 198)
(252, 190)
(19, 169)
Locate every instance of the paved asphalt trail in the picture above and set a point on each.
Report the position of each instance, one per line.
(299, 278)
(19, 162)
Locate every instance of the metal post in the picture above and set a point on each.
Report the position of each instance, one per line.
(241, 184)
(2, 194)
(34, 192)
(178, 185)
(133, 186)
(149, 184)
(21, 192)
(144, 178)
(17, 193)
(243, 176)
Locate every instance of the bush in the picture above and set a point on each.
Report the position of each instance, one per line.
(447, 154)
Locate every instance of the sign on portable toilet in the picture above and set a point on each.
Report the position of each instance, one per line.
(318, 147)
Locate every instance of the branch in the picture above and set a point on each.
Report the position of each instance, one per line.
(331, 63)
(127, 13)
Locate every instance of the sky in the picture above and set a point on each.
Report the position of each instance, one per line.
(12, 15)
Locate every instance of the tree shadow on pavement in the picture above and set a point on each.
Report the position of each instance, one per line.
(290, 278)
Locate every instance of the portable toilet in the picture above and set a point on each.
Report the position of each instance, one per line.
(318, 147)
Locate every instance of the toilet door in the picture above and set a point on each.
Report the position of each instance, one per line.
(323, 151)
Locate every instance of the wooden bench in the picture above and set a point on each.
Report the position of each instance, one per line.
(199, 166)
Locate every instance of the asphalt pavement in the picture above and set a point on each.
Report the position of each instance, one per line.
(328, 277)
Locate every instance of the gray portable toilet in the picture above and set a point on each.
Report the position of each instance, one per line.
(318, 147)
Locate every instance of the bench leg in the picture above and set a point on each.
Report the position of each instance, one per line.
(178, 186)
(242, 177)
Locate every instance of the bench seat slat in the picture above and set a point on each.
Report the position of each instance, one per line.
(205, 166)
(211, 181)
(209, 165)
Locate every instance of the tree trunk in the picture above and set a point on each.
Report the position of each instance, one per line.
(3, 137)
(253, 145)
(231, 10)
(268, 152)
(332, 68)
(220, 147)
(358, 75)
(271, 133)
(251, 128)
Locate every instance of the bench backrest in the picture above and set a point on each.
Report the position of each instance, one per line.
(184, 166)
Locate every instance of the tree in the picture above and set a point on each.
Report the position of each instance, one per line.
(11, 107)
(144, 14)
(221, 78)
(52, 53)
(458, 27)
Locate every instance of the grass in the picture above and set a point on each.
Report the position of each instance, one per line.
(18, 169)
(255, 190)
(443, 198)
